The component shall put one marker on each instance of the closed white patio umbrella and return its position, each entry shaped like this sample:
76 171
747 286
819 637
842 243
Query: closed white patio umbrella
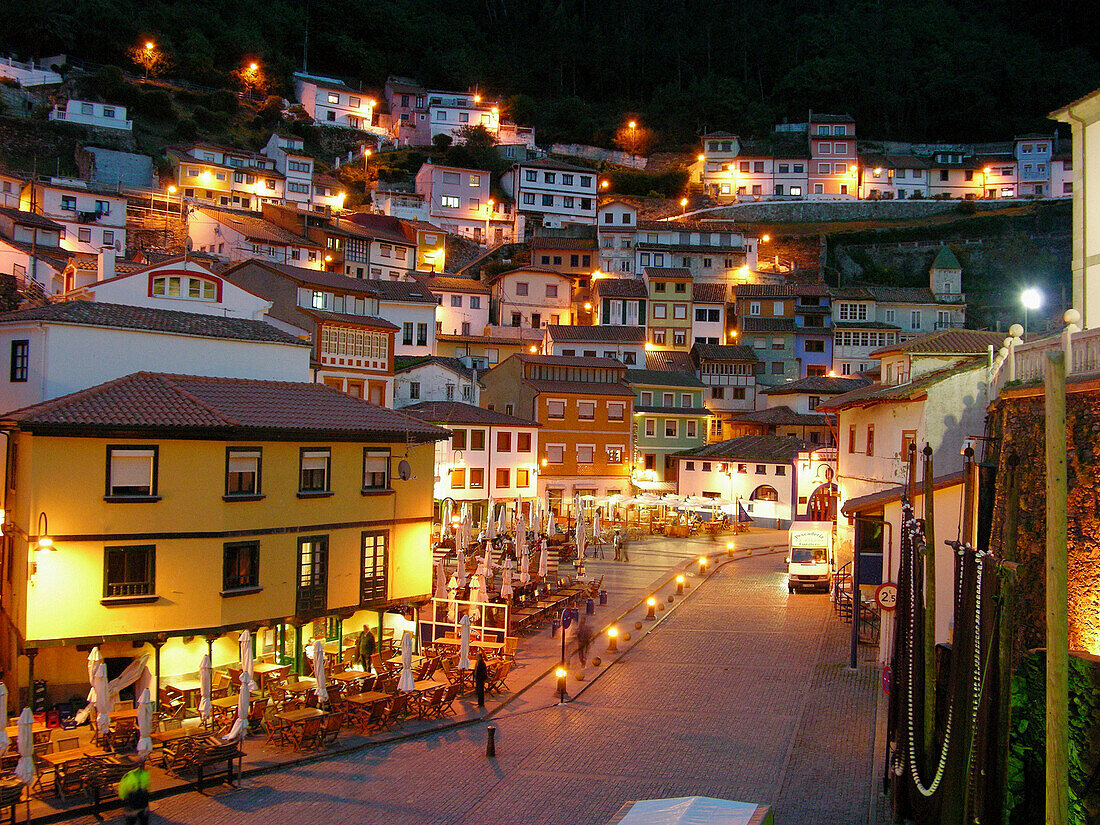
506 582
4 740
103 703
206 676
25 737
580 534
247 664
525 564
145 725
464 644
490 524
543 561
461 570
578 509
549 522
240 723
405 683
318 671
596 524
440 580
445 519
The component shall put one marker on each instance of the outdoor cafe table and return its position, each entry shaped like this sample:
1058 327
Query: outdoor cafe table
300 685
58 760
228 704
263 671
396 660
37 727
190 688
349 676
296 717
367 698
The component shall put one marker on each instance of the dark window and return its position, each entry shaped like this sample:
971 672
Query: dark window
523 442
504 442
242 471
129 571
312 575
20 357
376 469
314 471
132 471
503 478
241 566
372 587
477 439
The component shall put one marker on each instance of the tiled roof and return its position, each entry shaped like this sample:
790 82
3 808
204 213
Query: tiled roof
863 325
678 273
819 385
29 218
783 416
455 412
709 293
766 291
817 118
383 227
945 259
723 352
404 291
256 228
550 163
404 363
596 334
582 387
410 291
947 342
663 378
689 248
372 321
885 294
563 243
774 448
669 361
445 284
874 501
885 393
526 338
568 361
176 405
768 325
121 316
621 288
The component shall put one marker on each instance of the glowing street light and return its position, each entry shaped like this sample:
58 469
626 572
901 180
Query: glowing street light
765 238
683 204
633 144
1032 299
150 45
253 66
604 184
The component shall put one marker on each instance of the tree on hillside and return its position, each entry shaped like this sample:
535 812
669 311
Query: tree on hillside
150 57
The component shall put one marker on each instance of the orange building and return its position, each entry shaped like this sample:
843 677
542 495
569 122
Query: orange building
584 408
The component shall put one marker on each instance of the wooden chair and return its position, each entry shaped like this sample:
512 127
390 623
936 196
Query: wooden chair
275 727
511 644
125 705
219 685
170 703
379 666
447 700
330 729
399 709
256 714
123 735
306 734
497 682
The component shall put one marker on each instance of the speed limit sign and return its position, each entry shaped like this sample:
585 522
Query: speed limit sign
886 596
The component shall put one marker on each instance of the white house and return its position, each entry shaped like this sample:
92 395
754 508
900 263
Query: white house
288 152
532 297
225 176
331 102
64 347
620 301
551 192
434 378
720 149
411 307
729 371
27 74
30 250
235 235
451 112
714 251
616 234
93 216
459 202
180 284
756 473
408 206
709 303
625 344
96 115
489 455
463 305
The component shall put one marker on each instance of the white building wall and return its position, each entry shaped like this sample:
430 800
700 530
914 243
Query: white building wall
458 308
136 290
741 485
536 301
436 383
401 313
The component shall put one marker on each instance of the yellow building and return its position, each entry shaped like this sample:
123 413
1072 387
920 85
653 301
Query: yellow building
180 510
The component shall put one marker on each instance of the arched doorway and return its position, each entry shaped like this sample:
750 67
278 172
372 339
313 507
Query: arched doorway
822 503
764 493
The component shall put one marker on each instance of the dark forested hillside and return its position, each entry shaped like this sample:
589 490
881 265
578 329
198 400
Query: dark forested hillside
906 69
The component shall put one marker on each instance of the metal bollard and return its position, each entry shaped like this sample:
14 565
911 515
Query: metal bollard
680 585
651 606
590 608
603 598
491 742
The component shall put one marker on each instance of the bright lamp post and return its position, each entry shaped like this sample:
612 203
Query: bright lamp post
1032 299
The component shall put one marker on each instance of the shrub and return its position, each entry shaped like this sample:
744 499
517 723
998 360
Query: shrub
186 129
223 101
155 104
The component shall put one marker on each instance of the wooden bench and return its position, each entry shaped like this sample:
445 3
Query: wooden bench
208 755
100 773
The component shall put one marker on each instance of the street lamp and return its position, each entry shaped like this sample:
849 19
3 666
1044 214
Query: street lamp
633 145
854 170
683 205
765 238
1032 299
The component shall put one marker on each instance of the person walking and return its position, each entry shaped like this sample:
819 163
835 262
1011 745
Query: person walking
617 541
481 677
367 646
584 641
133 790
624 550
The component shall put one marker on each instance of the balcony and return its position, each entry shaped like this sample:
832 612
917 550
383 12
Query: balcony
1024 363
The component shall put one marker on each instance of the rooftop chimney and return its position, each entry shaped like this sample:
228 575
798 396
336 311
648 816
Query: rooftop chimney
105 263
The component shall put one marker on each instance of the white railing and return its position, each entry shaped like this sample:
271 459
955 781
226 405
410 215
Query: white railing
1019 362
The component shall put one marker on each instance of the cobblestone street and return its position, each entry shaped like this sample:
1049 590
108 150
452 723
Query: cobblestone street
740 692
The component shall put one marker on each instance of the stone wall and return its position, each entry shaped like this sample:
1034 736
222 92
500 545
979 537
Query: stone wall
1018 429
850 210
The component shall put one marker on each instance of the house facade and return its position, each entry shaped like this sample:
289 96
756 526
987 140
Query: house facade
616 235
459 201
729 373
625 344
462 305
434 378
225 176
331 102
93 114
669 417
552 193
533 297
669 301
121 470
94 217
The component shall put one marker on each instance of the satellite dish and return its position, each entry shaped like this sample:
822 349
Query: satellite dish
404 470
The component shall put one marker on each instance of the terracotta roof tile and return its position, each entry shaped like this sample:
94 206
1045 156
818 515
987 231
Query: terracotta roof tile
774 448
947 342
595 334
455 412
669 361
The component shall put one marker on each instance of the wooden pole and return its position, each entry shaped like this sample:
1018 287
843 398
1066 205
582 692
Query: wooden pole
929 607
1057 710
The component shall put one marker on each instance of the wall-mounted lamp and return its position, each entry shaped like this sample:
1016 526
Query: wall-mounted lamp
44 540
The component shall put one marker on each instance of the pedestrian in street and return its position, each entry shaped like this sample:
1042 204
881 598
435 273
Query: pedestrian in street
617 541
367 646
584 641
481 677
133 790
624 550
308 651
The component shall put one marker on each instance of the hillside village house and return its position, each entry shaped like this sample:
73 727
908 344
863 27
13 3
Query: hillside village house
669 417
620 301
624 344
418 114
353 348
729 373
585 410
304 187
489 455
934 390
670 318
459 201
494 347
573 255
225 176
533 296
30 250
463 305
434 378
93 114
376 246
709 309
331 102
60 348
552 193
868 317
281 473
791 409
93 216
616 234
765 319
236 235
712 251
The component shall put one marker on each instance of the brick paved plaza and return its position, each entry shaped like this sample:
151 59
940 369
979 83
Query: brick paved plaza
740 692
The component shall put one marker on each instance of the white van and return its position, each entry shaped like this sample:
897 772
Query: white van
809 555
